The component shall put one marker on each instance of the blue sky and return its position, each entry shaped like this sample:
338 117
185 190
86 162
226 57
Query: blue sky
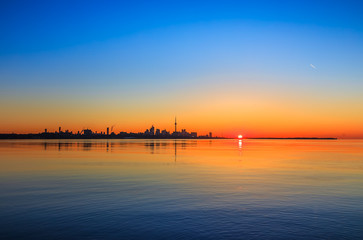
132 53
34 26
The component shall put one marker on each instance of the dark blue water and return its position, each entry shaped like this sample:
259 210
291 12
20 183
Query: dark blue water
166 189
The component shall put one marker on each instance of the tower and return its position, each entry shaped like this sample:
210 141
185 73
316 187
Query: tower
175 124
108 131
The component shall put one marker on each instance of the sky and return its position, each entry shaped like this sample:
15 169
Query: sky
256 68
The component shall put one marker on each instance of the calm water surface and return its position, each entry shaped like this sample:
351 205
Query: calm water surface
181 189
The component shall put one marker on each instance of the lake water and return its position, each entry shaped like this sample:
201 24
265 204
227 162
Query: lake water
181 189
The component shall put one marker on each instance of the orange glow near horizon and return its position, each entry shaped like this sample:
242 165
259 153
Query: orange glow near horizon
256 116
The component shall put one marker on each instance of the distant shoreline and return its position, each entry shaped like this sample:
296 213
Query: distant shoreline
297 138
40 136
56 136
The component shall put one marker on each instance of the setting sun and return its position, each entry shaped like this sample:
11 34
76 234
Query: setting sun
240 136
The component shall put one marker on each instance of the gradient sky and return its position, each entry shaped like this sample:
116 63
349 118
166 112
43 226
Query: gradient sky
257 68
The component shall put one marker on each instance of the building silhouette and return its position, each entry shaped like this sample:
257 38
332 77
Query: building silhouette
150 133
175 130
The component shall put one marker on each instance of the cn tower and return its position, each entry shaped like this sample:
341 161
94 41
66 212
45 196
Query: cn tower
175 124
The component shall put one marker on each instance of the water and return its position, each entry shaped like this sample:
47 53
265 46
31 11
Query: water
181 189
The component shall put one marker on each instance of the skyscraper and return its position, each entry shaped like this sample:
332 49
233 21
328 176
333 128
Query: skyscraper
175 124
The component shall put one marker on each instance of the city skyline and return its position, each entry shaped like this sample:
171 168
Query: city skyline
151 132
115 129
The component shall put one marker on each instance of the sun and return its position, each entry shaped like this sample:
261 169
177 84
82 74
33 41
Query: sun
240 136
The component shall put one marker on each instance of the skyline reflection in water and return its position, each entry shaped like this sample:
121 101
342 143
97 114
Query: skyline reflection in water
181 189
